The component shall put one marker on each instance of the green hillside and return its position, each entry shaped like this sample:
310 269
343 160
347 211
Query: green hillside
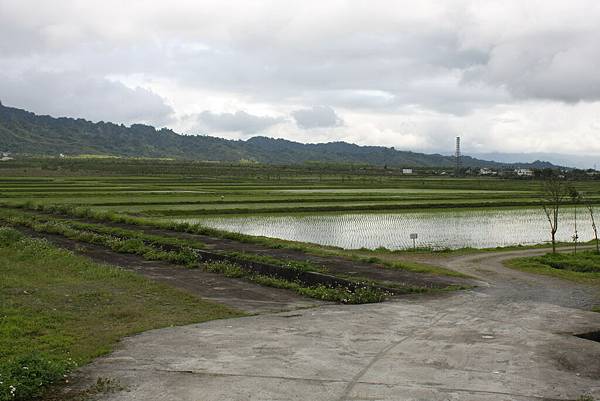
23 132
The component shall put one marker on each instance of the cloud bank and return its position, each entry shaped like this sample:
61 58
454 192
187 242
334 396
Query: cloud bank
508 76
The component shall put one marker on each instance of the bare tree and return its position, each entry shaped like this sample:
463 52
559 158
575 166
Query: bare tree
576 197
590 209
554 193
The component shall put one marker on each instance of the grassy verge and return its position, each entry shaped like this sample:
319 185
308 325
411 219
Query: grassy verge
360 295
582 268
441 252
59 311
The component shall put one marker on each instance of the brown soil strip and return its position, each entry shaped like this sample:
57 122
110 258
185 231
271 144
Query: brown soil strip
239 294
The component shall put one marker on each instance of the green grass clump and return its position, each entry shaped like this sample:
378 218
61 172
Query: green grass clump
582 267
27 376
581 262
297 265
359 295
227 269
59 311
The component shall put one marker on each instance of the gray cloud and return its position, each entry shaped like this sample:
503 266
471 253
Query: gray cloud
76 95
317 117
240 121
447 67
547 65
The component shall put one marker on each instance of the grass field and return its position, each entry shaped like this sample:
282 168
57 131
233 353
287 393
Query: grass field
59 311
583 267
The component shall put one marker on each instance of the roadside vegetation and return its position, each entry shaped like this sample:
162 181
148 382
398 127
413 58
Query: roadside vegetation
59 311
362 293
583 267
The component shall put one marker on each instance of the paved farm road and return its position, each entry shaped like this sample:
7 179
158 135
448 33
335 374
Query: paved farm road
511 339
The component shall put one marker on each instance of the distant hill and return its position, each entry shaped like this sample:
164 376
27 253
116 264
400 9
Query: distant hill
560 159
23 132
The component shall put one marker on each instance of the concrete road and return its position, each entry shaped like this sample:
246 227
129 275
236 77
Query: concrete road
511 339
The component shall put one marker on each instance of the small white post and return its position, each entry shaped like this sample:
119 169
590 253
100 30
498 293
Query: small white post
414 237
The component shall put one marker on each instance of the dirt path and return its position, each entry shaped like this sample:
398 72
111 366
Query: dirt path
510 339
510 285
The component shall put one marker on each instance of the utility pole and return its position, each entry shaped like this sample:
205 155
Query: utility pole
457 156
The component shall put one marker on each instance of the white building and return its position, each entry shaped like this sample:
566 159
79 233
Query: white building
486 171
407 171
524 172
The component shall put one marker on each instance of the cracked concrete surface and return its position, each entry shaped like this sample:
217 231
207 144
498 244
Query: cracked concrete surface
511 339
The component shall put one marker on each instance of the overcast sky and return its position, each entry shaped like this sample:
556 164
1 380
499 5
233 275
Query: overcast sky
507 76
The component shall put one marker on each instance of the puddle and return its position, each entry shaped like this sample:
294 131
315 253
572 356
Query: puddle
592 336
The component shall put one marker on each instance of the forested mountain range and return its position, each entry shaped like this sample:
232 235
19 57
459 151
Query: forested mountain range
23 132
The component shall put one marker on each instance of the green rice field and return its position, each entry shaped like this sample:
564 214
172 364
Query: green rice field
350 207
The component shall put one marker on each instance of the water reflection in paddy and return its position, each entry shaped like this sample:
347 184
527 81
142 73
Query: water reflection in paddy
480 228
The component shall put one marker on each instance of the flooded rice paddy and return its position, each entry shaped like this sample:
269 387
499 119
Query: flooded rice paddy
480 228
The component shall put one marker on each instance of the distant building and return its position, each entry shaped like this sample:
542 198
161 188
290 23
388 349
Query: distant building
524 172
407 171
5 156
487 171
